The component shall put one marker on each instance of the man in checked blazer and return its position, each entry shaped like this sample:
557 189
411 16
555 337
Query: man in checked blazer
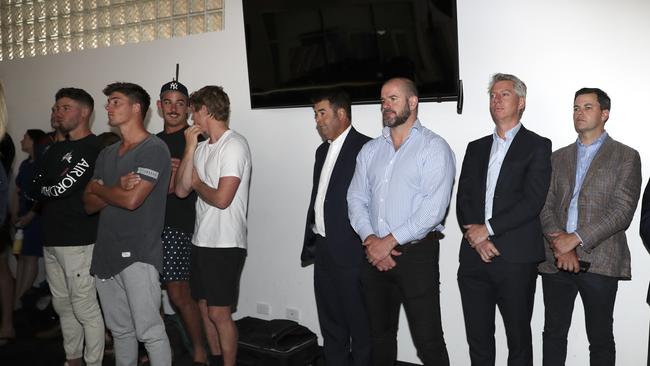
330 241
501 191
594 192
645 235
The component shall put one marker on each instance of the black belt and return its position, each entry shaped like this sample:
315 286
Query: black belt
431 238
433 235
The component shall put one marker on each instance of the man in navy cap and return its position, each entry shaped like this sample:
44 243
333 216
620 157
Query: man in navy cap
179 218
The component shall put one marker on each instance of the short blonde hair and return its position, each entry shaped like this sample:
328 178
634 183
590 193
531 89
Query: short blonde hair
519 86
215 99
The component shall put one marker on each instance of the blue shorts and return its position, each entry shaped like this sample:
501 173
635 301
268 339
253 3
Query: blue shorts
177 247
33 238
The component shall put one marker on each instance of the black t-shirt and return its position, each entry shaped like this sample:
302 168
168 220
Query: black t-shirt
7 153
180 212
60 179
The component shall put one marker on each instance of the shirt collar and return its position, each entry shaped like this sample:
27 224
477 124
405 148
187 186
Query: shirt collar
598 142
386 131
339 140
510 134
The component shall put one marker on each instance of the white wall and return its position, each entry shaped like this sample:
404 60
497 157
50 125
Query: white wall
555 46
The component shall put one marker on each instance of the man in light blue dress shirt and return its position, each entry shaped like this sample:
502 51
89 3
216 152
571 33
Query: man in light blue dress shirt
397 202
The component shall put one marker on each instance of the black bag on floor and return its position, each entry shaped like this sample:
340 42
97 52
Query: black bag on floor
277 342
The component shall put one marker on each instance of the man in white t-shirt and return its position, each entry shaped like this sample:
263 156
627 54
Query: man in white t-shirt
218 170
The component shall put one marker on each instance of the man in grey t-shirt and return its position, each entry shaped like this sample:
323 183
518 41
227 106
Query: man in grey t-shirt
130 189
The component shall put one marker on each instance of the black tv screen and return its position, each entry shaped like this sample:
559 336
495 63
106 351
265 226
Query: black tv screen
296 47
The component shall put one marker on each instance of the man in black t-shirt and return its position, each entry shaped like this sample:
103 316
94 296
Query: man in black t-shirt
61 176
179 218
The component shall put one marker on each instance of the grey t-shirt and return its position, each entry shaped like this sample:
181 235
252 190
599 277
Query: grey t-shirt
125 236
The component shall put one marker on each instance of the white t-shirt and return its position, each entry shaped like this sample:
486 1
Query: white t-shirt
230 156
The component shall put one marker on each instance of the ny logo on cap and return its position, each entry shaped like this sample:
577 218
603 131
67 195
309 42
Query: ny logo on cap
173 86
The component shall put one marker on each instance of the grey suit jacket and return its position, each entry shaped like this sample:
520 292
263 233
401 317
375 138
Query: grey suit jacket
608 198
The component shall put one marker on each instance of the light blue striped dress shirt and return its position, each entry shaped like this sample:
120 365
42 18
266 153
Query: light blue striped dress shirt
586 154
405 192
498 153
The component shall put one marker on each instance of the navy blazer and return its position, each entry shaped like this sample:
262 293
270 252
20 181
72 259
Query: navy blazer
343 243
519 196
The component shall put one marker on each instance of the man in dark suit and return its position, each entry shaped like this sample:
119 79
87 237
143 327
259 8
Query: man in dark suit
330 242
501 191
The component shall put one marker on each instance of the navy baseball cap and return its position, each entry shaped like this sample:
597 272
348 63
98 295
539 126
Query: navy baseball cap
174 86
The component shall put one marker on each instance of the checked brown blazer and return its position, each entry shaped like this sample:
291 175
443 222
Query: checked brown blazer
608 198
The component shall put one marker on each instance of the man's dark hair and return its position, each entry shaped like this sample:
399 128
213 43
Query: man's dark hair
134 92
337 97
214 99
78 95
603 98
108 138
36 135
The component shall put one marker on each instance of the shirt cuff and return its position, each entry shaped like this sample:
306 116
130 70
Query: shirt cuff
402 235
579 237
365 232
489 227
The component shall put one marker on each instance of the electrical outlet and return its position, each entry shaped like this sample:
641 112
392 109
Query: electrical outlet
263 308
293 314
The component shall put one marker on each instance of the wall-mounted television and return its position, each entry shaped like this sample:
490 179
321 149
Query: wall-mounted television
295 47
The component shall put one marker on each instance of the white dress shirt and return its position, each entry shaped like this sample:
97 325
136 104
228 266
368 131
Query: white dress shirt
323 183
498 153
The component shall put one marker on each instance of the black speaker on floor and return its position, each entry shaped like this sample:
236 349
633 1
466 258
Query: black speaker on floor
277 342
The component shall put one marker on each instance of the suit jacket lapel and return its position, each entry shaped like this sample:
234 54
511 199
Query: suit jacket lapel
321 154
320 161
604 152
484 161
512 155
571 167
342 158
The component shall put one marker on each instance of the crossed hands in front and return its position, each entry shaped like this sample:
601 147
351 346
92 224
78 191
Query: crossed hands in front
564 246
380 251
478 237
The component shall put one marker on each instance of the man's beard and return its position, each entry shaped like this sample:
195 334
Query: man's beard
399 119
65 129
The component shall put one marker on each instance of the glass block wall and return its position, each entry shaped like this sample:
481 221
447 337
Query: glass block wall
31 28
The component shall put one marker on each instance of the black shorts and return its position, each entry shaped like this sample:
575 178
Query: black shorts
176 255
215 274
